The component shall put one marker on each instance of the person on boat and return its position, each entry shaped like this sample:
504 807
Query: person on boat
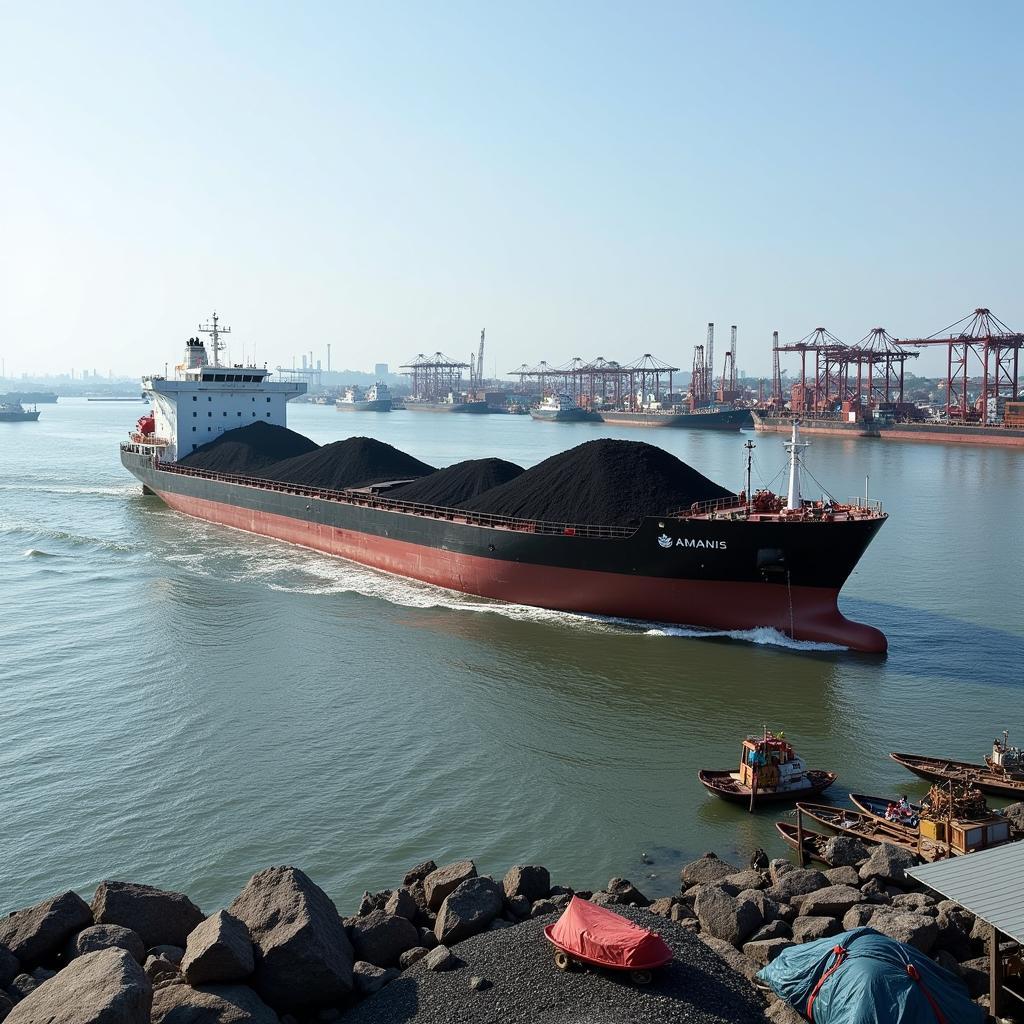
903 808
890 812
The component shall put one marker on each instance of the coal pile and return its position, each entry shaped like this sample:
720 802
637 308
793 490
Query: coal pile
603 482
248 451
354 462
458 483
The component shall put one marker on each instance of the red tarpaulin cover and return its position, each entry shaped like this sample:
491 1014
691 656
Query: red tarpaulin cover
599 934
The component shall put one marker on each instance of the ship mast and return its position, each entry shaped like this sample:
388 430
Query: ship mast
794 446
212 329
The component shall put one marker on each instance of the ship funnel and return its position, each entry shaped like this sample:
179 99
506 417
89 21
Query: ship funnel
795 446
195 354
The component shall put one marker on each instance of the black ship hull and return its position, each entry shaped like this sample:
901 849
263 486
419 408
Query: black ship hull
717 574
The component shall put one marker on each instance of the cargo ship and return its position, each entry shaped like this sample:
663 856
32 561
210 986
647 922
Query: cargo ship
452 403
373 399
701 419
847 425
562 409
736 563
14 412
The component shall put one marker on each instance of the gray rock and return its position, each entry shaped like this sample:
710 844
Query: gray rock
440 958
381 938
302 955
173 953
777 867
402 904
796 882
724 917
808 929
438 884
663 906
41 974
919 902
626 892
859 916
428 938
748 879
780 1012
6 1005
888 863
37 932
681 912
917 930
740 963
832 901
468 909
106 936
955 925
563 890
21 986
975 975
212 1004
1015 812
370 978
768 908
518 906
709 868
875 892
845 851
218 951
419 873
498 923
410 956
159 968
10 967
773 930
105 987
763 952
843 876
372 901
478 984
530 880
158 916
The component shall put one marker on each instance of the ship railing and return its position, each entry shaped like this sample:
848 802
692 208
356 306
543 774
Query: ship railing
366 499
863 504
702 508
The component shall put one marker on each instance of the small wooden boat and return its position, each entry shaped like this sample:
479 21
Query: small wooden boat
882 808
814 842
997 777
770 770
857 823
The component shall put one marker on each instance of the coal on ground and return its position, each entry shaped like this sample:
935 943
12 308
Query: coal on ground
606 482
697 987
458 483
249 450
354 462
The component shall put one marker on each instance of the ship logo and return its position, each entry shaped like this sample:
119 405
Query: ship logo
665 540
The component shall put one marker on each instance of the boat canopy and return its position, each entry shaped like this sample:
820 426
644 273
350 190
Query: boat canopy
864 977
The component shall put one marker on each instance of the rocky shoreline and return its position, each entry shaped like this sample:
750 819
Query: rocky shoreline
451 944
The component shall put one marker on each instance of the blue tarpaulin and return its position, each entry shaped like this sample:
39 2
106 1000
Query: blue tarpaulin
864 977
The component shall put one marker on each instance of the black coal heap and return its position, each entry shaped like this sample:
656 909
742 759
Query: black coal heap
458 483
354 462
249 450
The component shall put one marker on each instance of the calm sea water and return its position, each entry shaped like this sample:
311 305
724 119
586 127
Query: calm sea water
182 704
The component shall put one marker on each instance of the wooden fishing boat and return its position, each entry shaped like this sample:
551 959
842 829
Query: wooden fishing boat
998 779
814 842
864 826
770 770
878 807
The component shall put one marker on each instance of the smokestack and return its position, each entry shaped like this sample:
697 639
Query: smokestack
328 357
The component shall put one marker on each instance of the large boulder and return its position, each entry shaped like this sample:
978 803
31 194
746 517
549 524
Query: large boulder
845 851
381 938
37 932
158 916
1015 812
6 1005
767 907
370 978
832 901
748 879
740 963
418 873
779 866
402 903
106 936
725 917
438 884
796 883
917 930
10 967
529 880
709 868
861 915
764 951
888 863
626 892
212 1004
219 950
843 876
469 909
303 957
808 929
105 987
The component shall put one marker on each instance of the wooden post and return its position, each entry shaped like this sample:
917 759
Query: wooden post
753 790
800 859
995 985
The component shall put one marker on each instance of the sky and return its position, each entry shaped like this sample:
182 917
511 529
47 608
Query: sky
579 178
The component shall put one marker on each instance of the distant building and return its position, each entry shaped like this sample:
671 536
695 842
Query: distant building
380 370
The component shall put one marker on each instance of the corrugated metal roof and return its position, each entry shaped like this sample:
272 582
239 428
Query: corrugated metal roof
990 884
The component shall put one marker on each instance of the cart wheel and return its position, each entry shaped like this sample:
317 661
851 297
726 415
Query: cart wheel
640 977
562 961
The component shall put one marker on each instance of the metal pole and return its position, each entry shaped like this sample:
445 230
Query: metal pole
994 972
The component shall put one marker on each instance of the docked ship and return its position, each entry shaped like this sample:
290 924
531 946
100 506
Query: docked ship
451 403
562 409
736 563
700 419
373 399
15 412
847 424
29 398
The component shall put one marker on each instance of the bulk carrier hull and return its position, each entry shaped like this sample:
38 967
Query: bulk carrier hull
814 425
942 433
715 573
720 419
472 408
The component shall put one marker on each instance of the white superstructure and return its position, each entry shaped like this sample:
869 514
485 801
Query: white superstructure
203 399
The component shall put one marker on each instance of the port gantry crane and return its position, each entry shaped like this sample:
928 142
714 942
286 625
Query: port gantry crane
434 377
979 337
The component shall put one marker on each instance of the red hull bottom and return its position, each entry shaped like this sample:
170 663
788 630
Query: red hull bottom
804 613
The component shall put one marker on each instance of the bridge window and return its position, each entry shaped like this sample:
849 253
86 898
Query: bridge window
268 399
218 376
209 414
194 398
239 412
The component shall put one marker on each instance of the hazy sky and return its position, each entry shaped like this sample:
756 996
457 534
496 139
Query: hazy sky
580 178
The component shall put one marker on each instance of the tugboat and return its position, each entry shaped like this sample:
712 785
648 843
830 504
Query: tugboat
771 770
562 409
373 399
15 412
1002 774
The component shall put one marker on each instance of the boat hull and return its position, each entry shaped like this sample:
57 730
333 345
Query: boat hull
709 578
565 416
19 417
380 405
942 433
718 783
723 419
472 408
978 775
813 425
